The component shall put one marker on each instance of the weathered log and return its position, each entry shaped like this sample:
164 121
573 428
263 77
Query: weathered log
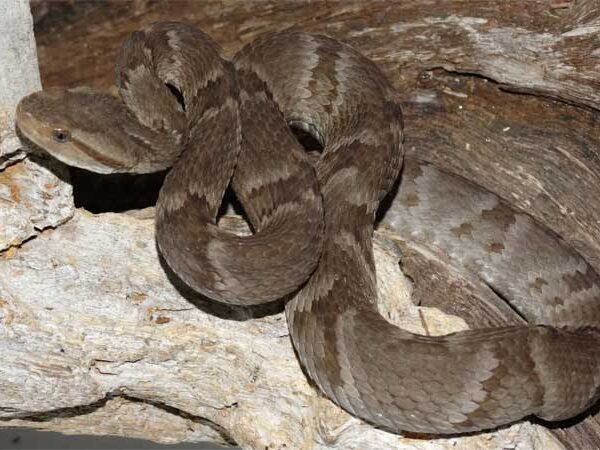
97 337
31 198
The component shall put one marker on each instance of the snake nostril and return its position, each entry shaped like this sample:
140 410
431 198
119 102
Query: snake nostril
177 93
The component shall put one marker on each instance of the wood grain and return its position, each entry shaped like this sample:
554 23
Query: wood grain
547 50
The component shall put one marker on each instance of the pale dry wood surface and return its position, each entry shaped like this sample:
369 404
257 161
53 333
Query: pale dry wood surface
19 75
97 339
30 199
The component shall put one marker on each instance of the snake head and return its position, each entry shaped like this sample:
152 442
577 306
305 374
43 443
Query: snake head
74 127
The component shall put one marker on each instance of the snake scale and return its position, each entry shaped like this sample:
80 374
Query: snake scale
312 223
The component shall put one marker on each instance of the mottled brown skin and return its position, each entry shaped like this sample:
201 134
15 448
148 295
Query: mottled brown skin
315 223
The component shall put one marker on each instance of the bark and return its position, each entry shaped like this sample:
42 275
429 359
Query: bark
30 197
98 337
19 75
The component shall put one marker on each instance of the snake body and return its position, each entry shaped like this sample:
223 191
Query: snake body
313 224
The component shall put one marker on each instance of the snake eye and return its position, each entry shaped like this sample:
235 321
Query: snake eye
61 135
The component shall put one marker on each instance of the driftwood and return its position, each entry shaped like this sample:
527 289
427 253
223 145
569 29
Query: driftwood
96 335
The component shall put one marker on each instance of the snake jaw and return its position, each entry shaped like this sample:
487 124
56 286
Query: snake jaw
67 125
61 142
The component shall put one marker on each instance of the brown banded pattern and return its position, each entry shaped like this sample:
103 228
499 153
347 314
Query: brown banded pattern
313 225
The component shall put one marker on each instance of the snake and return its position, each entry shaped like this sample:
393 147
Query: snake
216 121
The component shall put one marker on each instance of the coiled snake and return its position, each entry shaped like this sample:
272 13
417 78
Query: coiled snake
313 223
